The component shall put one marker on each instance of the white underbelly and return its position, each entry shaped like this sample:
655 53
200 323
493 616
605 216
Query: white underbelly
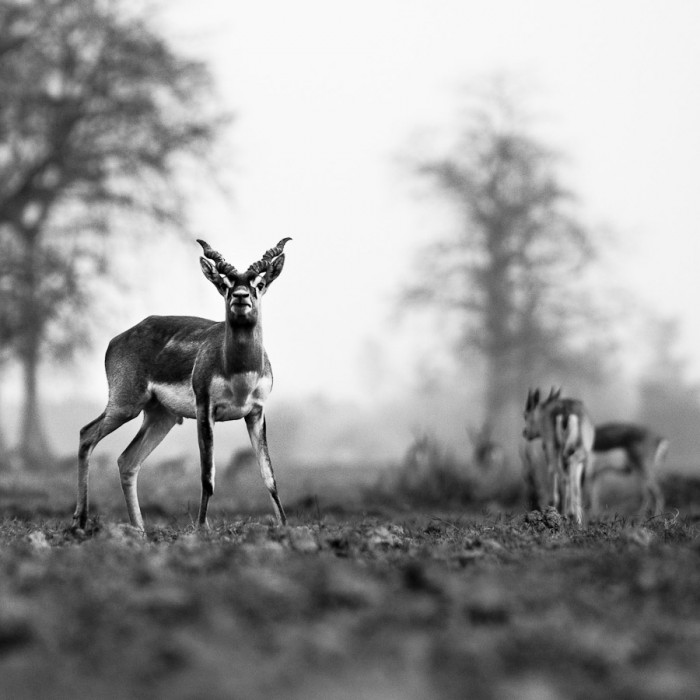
612 459
226 411
230 399
177 398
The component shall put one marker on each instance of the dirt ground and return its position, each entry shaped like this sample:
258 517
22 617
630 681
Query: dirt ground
346 604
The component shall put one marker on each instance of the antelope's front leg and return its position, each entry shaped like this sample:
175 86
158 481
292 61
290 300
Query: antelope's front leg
255 422
205 434
576 466
553 475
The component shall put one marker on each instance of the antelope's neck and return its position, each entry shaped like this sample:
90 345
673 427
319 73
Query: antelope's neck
243 349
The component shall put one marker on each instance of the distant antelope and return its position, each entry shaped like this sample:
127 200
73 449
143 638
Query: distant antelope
175 367
640 451
567 435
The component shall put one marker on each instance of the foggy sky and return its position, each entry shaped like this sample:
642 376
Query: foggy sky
328 97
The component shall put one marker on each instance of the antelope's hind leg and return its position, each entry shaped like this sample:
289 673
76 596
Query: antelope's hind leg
576 471
653 502
157 423
255 422
106 423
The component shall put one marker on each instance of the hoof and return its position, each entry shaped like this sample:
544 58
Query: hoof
78 523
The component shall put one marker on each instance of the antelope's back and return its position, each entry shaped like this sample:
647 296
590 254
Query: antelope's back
611 435
161 348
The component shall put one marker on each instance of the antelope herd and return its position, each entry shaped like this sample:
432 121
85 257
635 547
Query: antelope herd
564 456
175 367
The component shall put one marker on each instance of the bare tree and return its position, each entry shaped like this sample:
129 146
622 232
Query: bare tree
511 270
97 113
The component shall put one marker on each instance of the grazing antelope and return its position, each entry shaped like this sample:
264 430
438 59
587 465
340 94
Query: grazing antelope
633 449
567 435
175 367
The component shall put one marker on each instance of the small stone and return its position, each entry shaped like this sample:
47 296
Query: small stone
303 540
38 540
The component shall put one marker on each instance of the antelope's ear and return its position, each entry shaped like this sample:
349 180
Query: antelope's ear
533 398
554 394
211 273
274 270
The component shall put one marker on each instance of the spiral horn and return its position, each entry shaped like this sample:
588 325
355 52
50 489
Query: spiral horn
277 250
269 256
222 267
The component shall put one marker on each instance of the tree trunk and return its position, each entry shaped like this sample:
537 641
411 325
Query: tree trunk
499 389
34 447
498 338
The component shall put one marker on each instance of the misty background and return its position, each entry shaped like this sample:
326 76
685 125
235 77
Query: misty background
482 197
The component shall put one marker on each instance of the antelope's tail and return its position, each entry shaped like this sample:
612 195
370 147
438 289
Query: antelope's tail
660 454
568 431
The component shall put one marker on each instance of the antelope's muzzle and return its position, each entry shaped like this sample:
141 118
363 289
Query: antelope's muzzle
241 302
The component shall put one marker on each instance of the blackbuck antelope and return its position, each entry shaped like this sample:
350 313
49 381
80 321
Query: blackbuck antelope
175 367
567 435
632 449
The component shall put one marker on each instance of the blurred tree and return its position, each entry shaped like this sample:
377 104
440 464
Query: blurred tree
97 113
512 271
